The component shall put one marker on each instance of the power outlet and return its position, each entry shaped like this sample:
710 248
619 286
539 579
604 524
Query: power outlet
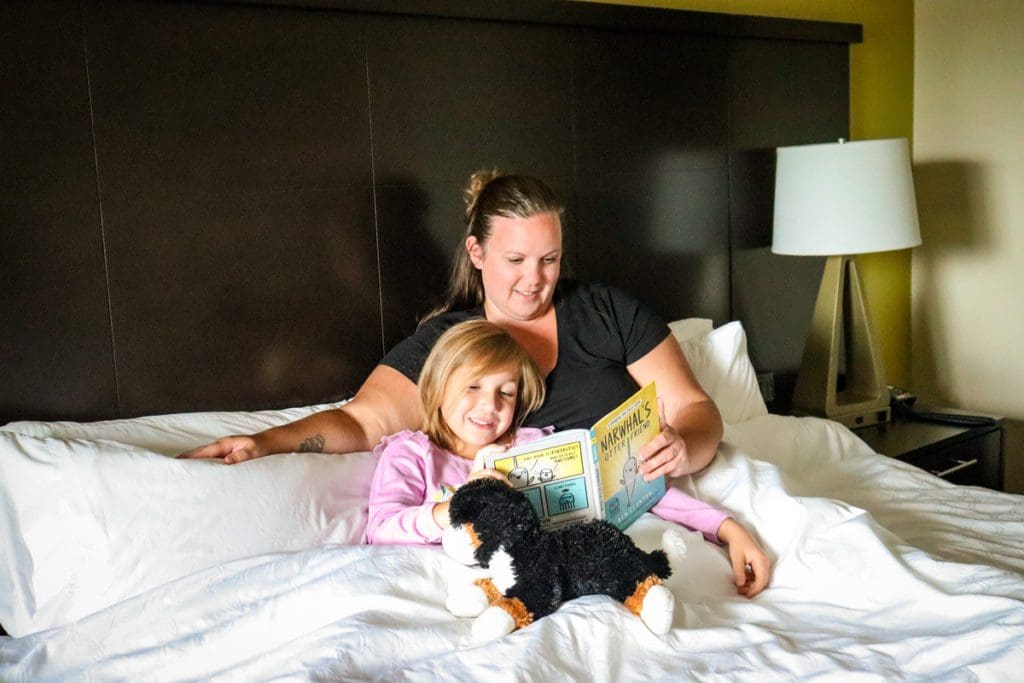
766 383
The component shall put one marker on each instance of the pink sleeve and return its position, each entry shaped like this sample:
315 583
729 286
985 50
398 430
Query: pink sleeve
681 508
525 435
398 510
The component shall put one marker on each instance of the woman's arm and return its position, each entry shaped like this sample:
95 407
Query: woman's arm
386 403
691 424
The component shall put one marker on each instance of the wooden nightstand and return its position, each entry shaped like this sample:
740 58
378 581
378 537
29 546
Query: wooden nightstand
971 456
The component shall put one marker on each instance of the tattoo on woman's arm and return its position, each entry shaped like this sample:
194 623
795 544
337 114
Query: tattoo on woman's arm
314 444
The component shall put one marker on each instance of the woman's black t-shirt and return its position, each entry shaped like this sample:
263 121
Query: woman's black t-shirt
601 330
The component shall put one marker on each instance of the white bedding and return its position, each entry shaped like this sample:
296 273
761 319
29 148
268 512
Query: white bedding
882 572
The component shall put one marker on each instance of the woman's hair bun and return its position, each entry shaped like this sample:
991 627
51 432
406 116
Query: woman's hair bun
477 182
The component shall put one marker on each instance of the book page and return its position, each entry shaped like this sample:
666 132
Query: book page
554 474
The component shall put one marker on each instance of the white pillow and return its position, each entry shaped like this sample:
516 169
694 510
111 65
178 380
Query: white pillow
720 362
88 523
688 328
168 434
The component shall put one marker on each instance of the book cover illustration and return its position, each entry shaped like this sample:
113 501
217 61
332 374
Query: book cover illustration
617 440
582 474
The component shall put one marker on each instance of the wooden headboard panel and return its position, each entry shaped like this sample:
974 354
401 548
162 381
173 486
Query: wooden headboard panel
243 205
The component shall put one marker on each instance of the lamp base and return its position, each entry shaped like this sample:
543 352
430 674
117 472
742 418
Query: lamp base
841 326
854 419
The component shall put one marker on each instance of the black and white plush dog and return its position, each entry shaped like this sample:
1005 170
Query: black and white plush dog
533 571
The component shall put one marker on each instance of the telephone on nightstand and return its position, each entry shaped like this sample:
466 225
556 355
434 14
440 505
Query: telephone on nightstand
900 398
902 403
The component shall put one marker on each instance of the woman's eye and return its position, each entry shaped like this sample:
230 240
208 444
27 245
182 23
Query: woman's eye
515 261
508 394
551 259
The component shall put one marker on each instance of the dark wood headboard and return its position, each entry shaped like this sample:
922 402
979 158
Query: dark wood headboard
242 205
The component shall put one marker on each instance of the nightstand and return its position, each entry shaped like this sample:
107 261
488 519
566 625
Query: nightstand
971 456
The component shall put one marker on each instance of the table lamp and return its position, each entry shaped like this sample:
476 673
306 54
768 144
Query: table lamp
836 200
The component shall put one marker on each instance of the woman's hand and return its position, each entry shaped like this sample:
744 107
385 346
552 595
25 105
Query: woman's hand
750 564
694 427
386 403
666 454
233 449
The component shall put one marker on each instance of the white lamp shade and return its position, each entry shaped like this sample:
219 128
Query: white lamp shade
844 198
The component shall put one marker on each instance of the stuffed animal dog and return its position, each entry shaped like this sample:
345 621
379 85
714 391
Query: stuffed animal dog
533 571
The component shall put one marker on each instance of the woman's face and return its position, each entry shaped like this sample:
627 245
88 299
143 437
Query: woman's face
479 409
519 265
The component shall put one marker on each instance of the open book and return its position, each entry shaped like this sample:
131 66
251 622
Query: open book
580 474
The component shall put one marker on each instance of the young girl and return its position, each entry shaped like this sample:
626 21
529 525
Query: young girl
477 387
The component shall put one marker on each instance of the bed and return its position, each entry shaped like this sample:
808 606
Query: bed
218 215
125 564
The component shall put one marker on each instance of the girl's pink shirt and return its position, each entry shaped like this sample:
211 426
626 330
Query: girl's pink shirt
407 484
412 474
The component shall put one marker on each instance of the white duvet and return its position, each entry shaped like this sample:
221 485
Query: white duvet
881 572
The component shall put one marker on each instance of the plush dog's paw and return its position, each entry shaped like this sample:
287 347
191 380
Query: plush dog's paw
674 543
658 609
458 546
493 623
465 600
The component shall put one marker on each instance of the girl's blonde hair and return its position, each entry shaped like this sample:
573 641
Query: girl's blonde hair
481 347
490 194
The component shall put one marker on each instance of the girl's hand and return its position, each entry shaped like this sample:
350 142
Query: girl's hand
487 473
481 472
750 564
440 513
666 454
478 471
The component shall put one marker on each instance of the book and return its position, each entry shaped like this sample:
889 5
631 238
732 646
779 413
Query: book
580 474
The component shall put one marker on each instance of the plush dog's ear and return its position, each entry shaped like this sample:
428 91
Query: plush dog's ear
471 500
499 514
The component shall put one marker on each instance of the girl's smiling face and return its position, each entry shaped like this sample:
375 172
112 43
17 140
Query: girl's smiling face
478 408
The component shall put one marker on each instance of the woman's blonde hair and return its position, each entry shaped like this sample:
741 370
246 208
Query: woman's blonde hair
480 347
490 194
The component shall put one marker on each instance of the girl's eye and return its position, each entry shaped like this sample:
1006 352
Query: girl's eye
551 259
508 394
515 261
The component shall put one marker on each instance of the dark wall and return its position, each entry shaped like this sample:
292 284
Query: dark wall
780 93
232 206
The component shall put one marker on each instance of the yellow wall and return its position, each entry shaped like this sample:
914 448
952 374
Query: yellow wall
967 329
881 106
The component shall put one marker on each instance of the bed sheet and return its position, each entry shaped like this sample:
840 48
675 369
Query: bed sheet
882 572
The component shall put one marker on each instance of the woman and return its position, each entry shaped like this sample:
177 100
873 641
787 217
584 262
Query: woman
594 344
